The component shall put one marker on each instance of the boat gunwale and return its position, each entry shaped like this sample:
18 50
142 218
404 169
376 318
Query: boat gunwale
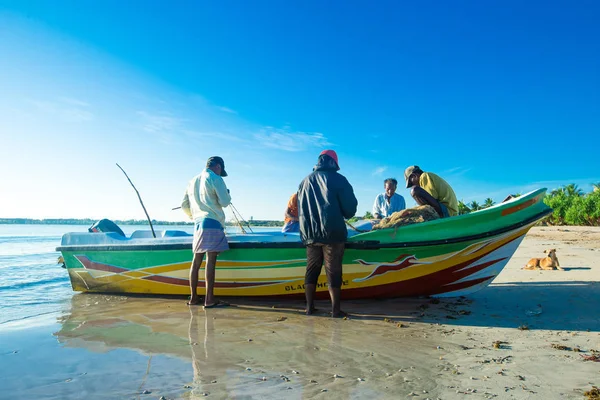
360 245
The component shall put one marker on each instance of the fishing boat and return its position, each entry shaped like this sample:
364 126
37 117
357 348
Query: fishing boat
445 257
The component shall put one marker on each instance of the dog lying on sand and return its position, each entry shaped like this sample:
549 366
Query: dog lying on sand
549 262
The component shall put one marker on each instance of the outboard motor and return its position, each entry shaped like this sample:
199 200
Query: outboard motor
106 225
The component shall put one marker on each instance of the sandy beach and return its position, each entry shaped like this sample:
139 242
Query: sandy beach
526 336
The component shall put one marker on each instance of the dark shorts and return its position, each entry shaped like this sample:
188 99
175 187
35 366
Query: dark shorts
330 254
444 211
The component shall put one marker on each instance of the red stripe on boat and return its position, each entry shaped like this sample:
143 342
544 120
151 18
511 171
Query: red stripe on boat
518 207
385 268
89 264
96 266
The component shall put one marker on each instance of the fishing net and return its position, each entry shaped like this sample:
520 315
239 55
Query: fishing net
408 216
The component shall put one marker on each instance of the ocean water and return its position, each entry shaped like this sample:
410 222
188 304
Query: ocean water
32 283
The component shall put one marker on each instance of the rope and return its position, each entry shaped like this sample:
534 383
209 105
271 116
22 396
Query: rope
238 222
355 228
235 210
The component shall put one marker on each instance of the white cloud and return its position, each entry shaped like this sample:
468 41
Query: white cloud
65 110
379 171
456 171
73 102
227 110
284 139
193 134
155 123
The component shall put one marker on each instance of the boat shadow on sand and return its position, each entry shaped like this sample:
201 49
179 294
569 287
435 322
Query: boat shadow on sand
558 305
565 306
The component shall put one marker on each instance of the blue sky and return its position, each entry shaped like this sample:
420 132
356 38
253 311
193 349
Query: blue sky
495 97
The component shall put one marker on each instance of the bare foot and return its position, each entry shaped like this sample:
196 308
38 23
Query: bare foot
310 311
194 301
218 304
339 314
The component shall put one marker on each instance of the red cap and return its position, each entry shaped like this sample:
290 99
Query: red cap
331 154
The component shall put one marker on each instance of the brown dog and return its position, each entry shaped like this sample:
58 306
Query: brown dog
549 262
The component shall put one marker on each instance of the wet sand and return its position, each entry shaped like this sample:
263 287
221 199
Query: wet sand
543 323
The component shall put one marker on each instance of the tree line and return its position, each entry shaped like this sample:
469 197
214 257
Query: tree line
574 207
571 205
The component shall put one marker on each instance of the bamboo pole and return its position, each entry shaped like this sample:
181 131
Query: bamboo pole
140 198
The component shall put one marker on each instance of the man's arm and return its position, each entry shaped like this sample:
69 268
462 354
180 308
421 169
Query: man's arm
376 210
185 205
347 199
222 192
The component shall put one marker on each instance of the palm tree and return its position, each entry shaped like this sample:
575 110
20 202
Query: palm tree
474 206
596 186
368 215
488 203
462 208
558 192
573 190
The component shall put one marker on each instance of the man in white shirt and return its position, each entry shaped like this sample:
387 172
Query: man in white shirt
389 201
204 199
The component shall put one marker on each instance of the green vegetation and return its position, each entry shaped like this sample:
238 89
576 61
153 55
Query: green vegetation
570 204
367 215
488 203
474 205
574 207
258 222
462 208
89 222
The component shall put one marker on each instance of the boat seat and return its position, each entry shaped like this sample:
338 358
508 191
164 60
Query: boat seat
141 235
174 233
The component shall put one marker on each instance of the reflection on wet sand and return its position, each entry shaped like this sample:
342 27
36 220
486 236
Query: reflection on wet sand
256 351
209 367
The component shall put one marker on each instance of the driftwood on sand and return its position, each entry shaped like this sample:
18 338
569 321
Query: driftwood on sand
408 216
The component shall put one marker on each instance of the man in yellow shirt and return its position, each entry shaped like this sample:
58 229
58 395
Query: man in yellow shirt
430 189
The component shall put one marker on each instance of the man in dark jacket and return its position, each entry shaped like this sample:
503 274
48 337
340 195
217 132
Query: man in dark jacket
325 199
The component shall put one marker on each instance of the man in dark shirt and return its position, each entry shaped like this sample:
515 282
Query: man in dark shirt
325 200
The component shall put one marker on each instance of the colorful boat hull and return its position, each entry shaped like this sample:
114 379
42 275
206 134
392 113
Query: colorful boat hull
448 257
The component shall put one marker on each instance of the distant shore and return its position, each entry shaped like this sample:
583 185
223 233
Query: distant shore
89 221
